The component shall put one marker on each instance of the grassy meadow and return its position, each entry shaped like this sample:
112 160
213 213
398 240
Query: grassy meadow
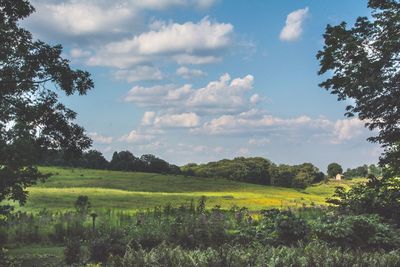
132 191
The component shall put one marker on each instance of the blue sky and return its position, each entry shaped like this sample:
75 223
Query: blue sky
202 80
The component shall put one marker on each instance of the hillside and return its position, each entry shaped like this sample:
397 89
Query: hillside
134 191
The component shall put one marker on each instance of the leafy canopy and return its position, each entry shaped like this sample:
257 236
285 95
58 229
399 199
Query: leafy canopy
364 66
32 120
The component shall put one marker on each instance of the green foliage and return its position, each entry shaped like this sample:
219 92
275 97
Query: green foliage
377 196
334 169
363 171
107 244
253 170
364 64
72 252
258 171
357 231
290 228
313 254
31 117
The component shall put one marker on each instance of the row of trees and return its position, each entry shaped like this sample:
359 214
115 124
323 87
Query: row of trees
363 171
259 171
121 161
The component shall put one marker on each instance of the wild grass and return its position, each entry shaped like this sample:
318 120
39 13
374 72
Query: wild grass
131 191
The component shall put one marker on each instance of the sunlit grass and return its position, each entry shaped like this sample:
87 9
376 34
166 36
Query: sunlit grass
138 191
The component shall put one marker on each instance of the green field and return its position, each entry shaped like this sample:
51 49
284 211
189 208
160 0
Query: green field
131 191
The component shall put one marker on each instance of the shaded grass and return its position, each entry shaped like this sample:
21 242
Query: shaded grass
138 191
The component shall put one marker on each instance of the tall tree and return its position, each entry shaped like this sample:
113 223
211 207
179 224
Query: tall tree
32 119
365 64
334 169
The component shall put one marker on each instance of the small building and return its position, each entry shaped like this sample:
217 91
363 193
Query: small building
338 177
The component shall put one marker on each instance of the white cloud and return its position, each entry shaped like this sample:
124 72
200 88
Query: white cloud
230 124
187 73
183 120
347 129
254 99
148 117
100 138
225 94
294 25
83 18
88 18
158 96
222 96
136 137
192 43
139 73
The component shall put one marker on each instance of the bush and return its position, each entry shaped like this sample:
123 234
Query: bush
282 227
313 254
106 245
72 252
377 196
289 228
357 231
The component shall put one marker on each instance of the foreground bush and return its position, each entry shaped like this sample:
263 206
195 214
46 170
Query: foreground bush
367 232
312 254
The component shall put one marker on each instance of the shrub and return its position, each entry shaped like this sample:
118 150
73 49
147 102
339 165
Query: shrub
72 252
357 231
289 228
106 245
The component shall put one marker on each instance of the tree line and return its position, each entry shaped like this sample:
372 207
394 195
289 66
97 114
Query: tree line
363 171
121 161
258 170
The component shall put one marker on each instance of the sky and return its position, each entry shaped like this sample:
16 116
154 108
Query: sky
203 80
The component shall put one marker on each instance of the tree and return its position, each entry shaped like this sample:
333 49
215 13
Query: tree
93 159
365 64
377 196
334 169
31 117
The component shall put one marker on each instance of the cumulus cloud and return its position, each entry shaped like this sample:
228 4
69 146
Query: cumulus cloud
254 99
258 123
225 95
162 96
100 138
139 73
148 118
294 25
188 73
183 120
193 43
81 18
344 130
98 18
136 137
243 123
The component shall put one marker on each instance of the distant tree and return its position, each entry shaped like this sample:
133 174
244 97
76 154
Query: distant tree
363 63
319 177
334 169
125 161
154 164
31 117
93 159
302 180
283 176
